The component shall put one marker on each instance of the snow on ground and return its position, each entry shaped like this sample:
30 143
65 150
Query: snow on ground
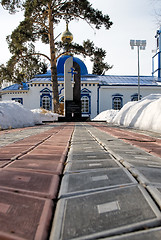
144 114
45 115
106 115
14 115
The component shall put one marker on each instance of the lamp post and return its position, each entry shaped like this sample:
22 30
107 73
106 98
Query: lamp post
140 44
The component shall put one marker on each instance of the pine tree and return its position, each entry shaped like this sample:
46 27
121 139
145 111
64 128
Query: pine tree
40 19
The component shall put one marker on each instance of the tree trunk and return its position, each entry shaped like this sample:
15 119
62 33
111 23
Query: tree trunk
53 64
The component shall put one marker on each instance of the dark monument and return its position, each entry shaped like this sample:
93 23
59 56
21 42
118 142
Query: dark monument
72 85
73 107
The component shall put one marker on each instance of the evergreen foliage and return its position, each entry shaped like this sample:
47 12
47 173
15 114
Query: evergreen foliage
40 19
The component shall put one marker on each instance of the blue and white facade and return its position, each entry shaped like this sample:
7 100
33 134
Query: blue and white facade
98 93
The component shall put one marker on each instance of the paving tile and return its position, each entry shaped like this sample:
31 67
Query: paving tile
75 184
104 213
151 234
50 147
51 157
11 150
4 163
6 156
24 217
77 166
47 152
147 157
155 191
147 175
37 166
82 148
31 183
140 163
88 156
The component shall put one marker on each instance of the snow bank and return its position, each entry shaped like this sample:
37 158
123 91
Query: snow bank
107 115
45 115
14 115
144 114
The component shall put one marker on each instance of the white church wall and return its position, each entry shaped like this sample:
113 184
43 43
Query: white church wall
34 95
17 95
106 94
93 90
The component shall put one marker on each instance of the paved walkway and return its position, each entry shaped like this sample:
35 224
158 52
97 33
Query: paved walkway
80 181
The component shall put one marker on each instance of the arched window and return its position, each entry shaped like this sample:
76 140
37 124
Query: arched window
134 97
19 100
117 101
46 99
85 104
46 102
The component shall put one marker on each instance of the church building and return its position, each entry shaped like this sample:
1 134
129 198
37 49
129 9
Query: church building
98 93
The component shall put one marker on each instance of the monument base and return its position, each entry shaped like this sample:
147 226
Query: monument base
73 112
65 119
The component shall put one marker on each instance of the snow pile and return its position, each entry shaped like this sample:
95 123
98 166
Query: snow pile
107 115
14 115
144 114
46 116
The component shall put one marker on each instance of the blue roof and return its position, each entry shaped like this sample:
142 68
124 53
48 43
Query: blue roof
16 86
127 80
108 80
61 61
60 66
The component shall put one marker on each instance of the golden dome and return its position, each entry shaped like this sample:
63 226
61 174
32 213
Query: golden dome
67 36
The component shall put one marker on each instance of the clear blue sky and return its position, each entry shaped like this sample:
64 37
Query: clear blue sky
131 20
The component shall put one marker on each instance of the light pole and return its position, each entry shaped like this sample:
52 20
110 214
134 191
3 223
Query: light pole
140 44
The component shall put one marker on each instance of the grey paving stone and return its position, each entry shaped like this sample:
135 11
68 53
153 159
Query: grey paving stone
75 184
147 175
11 137
151 234
155 191
104 213
78 166
140 163
136 155
89 156
87 150
81 148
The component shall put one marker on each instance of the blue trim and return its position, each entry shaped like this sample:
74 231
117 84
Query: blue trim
62 98
159 64
117 95
20 100
46 90
98 98
85 91
61 90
